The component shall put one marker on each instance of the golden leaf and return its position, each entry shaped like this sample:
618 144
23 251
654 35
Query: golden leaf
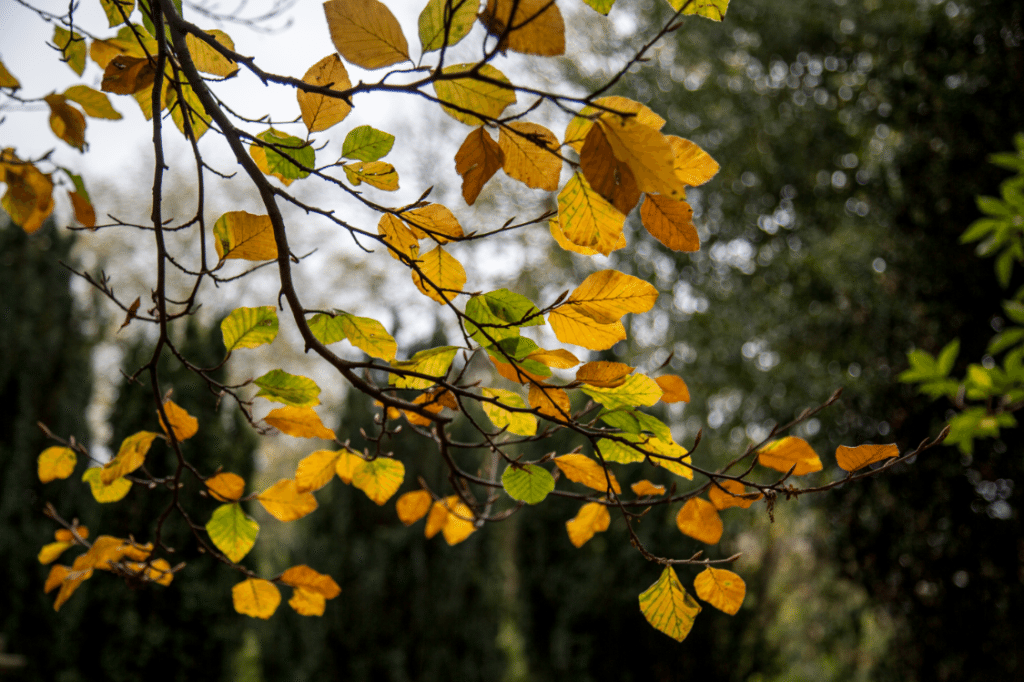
571 326
699 519
379 174
646 151
604 373
439 270
458 524
366 33
550 401
184 425
531 155
536 27
579 127
852 459
316 470
476 98
558 358
436 518
7 80
303 576
413 506
379 478
670 221
347 465
206 58
56 462
306 602
93 102
691 164
593 517
66 122
65 535
284 501
301 422
721 588
675 389
785 453
29 196
607 295
709 9
582 469
51 552
238 234
255 597
439 18
102 492
477 160
587 219
320 112
398 237
645 488
434 221
226 486
734 495
668 607
70 579
130 456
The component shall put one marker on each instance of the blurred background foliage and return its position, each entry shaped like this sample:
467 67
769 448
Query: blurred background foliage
853 138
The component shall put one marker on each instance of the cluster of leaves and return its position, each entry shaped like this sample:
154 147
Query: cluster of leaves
989 394
619 159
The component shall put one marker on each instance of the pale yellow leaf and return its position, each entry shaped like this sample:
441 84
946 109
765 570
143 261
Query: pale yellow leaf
519 423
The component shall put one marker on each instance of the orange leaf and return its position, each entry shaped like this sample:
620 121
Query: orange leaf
305 577
582 469
550 401
284 501
306 602
699 519
785 453
477 160
413 506
536 27
604 374
674 389
255 597
401 240
592 518
126 75
851 459
301 422
721 588
66 122
184 425
645 488
610 177
558 358
734 495
56 462
670 221
64 535
226 486
531 155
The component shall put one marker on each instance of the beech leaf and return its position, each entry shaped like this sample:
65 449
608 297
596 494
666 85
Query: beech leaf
366 33
668 607
529 483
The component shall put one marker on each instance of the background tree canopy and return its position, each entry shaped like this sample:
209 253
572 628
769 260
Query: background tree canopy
852 138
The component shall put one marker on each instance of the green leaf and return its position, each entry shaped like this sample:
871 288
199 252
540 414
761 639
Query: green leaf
638 390
500 313
434 18
366 143
114 16
433 362
366 334
249 327
947 356
978 229
282 387
281 157
602 6
993 206
72 47
519 423
614 451
327 329
624 420
530 483
1005 339
232 531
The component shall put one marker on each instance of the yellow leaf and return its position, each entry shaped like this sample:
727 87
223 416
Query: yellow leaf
638 390
320 112
56 576
607 295
476 98
709 9
645 488
7 80
316 470
107 550
477 160
699 519
157 571
531 154
579 127
593 517
571 326
366 33
398 237
238 234
582 469
56 462
556 232
852 459
347 465
439 270
432 361
558 358
207 59
184 425
66 122
668 607
284 501
608 176
379 174
130 456
587 219
93 102
670 221
734 495
102 492
71 47
550 401
434 221
439 18
255 597
721 588
51 552
436 519
301 422
604 374
306 602
29 196
304 577
64 535
459 522
788 452
519 423
673 450
646 151
413 506
379 478
536 27
226 486
69 579
692 165
675 389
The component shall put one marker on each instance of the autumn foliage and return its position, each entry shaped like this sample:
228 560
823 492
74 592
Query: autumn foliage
613 157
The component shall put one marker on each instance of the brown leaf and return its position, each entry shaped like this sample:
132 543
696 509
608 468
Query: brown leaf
536 27
126 75
477 160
